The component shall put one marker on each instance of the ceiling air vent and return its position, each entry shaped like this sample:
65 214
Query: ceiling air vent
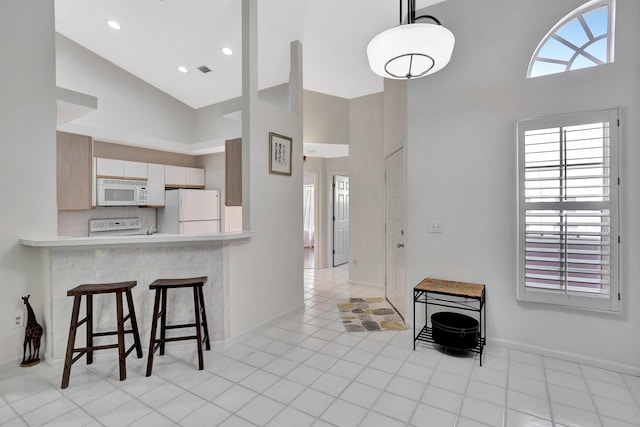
204 69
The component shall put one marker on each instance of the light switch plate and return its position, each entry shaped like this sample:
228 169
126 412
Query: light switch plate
435 227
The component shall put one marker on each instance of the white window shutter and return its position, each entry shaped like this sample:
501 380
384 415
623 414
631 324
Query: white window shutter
568 210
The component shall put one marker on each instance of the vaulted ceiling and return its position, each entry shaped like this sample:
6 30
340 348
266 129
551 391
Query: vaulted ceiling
157 36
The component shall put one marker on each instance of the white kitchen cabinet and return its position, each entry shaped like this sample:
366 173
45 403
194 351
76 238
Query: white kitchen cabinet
134 170
155 184
120 169
194 177
174 176
183 177
109 168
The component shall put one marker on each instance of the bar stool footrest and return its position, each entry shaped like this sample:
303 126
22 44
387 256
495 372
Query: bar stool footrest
186 325
94 348
185 338
110 333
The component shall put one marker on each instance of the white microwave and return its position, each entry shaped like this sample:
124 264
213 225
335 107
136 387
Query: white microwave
121 192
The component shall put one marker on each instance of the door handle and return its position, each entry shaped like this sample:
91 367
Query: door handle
400 245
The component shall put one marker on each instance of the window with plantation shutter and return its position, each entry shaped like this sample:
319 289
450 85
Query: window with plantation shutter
568 210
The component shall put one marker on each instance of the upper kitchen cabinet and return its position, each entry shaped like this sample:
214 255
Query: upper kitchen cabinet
155 185
183 177
194 177
74 171
135 170
120 169
174 176
109 168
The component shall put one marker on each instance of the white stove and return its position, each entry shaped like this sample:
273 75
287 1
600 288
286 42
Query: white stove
115 227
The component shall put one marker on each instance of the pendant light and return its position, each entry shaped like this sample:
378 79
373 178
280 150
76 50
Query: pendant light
411 50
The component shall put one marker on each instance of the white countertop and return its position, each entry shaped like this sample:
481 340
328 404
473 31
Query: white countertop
159 239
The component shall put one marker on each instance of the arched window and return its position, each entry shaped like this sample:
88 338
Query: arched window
582 39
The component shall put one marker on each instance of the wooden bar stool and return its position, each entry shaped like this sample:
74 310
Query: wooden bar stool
89 291
160 312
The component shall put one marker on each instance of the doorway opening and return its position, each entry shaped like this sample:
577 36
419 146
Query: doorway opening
309 219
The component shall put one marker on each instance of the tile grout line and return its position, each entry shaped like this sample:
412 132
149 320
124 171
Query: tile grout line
593 401
506 389
546 385
636 400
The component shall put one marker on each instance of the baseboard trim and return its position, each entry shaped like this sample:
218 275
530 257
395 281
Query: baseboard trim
555 354
234 340
370 285
570 357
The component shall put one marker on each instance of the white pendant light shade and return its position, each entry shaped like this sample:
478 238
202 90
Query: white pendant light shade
410 51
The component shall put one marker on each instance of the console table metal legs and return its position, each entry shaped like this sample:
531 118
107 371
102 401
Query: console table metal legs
451 294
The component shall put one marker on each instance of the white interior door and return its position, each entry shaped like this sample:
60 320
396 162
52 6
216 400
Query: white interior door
340 220
395 286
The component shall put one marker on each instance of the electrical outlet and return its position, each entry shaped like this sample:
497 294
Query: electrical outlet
435 227
18 319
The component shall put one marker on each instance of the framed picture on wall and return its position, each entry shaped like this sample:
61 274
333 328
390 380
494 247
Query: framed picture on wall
279 154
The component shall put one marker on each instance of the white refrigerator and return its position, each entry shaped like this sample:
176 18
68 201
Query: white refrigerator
189 211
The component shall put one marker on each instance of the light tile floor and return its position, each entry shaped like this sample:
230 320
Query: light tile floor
304 370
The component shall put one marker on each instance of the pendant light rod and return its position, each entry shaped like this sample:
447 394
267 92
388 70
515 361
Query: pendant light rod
411 13
433 18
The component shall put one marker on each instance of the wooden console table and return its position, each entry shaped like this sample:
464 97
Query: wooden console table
447 293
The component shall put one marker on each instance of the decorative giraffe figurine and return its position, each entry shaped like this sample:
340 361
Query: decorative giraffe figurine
32 336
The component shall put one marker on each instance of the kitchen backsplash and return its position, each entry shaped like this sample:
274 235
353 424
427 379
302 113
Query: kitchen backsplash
76 223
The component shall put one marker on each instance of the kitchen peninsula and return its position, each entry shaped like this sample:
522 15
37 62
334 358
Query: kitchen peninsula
70 261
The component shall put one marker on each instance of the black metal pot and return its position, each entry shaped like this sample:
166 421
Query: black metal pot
454 330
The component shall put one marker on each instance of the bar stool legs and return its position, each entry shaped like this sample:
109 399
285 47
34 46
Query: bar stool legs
88 291
73 328
160 313
204 319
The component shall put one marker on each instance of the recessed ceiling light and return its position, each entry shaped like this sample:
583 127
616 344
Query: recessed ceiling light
227 51
114 25
183 69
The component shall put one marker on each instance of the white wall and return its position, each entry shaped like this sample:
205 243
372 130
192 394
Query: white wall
212 125
326 118
394 125
28 161
129 109
366 221
265 273
461 165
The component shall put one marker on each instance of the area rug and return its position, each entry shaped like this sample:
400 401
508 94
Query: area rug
369 314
